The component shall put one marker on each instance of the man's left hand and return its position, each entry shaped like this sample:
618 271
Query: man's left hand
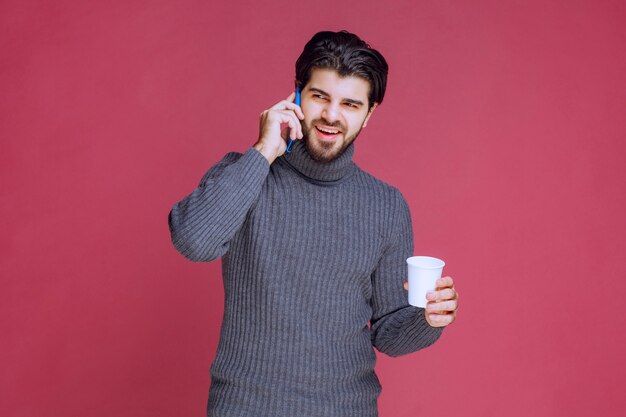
443 303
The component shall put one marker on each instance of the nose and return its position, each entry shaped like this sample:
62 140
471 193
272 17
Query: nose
331 112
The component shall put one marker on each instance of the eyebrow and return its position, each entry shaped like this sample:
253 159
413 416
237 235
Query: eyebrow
349 100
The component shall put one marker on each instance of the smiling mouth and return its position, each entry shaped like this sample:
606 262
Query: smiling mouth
325 133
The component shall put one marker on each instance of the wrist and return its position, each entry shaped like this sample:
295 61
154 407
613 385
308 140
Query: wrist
264 150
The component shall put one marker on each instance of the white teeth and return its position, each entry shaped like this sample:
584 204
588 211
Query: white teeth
332 132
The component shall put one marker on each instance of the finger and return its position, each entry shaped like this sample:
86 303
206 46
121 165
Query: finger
291 131
297 108
295 127
440 320
442 306
445 282
406 285
286 114
298 132
286 131
442 295
283 104
289 105
289 118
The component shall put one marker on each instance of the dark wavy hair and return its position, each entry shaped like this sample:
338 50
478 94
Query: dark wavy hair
347 54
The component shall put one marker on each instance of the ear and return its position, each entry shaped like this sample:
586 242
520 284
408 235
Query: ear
369 114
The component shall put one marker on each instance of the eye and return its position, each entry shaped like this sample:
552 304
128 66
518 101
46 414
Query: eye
352 105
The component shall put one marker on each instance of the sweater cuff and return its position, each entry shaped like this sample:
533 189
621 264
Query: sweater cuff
255 160
251 173
406 331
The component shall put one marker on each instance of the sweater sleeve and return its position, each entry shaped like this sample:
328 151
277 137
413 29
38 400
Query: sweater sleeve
398 328
203 223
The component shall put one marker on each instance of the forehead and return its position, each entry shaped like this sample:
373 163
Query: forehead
331 82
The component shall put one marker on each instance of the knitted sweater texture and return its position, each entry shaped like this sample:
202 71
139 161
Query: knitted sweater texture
313 266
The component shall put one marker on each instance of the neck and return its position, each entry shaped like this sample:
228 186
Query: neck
335 170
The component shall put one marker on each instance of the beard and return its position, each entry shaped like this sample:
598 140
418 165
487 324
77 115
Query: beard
325 151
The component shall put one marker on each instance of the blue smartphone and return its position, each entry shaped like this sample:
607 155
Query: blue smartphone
297 101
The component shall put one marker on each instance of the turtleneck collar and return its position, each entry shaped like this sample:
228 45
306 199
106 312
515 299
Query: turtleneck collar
333 171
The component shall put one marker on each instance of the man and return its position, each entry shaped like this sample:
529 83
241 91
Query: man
313 250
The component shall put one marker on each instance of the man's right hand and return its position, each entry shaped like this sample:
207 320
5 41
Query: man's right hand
279 123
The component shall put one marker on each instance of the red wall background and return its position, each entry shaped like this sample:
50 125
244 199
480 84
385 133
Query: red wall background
503 126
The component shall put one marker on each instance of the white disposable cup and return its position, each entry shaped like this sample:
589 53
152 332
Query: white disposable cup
424 271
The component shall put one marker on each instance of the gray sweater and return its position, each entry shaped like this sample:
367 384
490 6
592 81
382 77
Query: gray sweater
311 254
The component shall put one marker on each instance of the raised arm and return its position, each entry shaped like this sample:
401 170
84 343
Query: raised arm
203 223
